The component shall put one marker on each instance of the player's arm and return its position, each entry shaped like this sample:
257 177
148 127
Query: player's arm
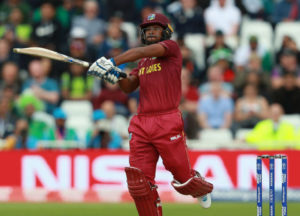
131 55
105 68
131 83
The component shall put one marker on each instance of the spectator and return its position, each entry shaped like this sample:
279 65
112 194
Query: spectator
78 47
244 53
47 32
226 11
21 138
113 119
117 20
113 93
261 81
272 133
188 105
215 74
75 85
115 42
63 14
60 132
288 96
103 136
94 26
287 44
189 19
215 110
250 108
16 25
43 88
286 11
10 77
5 52
288 64
8 92
190 94
253 74
28 106
190 64
218 44
6 8
7 119
223 58
254 65
47 67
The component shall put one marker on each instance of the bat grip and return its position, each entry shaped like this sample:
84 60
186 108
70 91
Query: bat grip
123 75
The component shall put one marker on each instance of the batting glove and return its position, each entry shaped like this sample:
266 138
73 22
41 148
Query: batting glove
113 75
100 68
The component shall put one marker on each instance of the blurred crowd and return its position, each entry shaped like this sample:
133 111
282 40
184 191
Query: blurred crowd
242 86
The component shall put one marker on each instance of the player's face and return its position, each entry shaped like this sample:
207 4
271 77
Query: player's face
153 34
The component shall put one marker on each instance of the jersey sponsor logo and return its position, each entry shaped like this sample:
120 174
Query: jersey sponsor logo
175 137
151 17
150 69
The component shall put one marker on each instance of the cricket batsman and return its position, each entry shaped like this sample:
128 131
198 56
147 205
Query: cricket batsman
157 129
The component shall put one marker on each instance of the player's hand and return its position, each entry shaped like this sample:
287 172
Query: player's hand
100 68
113 75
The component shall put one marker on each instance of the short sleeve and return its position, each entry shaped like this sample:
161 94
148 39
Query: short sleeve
172 48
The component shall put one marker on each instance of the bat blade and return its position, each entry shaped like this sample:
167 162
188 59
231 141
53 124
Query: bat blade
46 53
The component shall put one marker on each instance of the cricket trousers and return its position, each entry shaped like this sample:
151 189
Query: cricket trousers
159 134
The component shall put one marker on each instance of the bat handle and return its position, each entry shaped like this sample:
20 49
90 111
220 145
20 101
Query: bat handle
123 75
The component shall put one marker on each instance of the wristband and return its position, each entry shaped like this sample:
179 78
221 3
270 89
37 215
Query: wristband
113 61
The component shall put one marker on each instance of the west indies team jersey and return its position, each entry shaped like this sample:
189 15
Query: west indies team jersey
160 80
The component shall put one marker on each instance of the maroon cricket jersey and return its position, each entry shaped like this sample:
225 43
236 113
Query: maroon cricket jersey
160 80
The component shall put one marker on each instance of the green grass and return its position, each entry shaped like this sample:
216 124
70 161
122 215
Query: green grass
128 209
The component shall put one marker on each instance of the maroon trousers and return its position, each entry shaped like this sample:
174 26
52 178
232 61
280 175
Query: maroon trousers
161 134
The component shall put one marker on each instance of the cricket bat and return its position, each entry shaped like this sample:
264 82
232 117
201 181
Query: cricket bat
46 53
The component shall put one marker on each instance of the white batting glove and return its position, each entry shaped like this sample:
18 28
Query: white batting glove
113 75
100 68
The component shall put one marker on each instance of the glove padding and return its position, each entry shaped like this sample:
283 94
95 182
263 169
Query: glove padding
113 75
104 69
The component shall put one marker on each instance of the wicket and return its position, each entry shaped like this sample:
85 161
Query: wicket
259 200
